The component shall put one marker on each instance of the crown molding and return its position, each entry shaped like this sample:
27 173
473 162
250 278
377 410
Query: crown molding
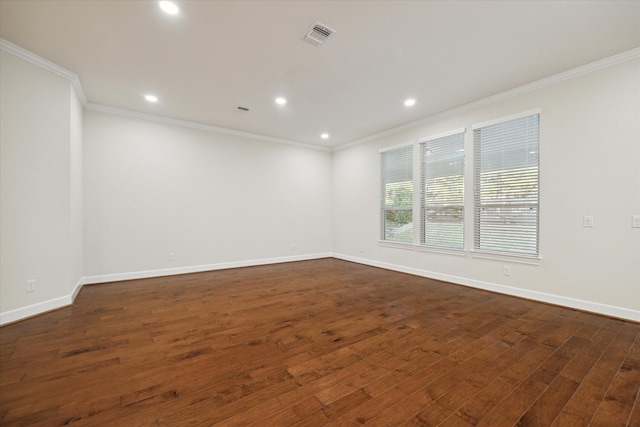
557 78
22 53
198 126
75 81
610 61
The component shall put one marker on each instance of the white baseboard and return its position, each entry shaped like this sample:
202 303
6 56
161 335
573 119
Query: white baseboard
56 303
590 306
34 309
60 302
89 280
76 289
41 307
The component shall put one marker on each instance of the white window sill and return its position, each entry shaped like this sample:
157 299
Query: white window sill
445 251
398 245
521 259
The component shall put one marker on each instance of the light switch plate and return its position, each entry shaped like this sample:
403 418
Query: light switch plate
587 221
635 221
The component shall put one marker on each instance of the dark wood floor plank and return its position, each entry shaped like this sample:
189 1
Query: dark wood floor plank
345 403
455 420
583 362
470 388
400 411
615 408
634 417
513 408
591 391
367 410
312 343
547 407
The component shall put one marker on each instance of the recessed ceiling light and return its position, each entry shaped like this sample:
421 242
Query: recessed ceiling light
151 98
281 101
410 102
169 7
324 136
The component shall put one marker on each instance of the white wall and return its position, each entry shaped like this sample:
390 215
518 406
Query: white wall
590 165
40 132
213 200
76 195
94 196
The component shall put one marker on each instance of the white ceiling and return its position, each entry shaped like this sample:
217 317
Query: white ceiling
216 55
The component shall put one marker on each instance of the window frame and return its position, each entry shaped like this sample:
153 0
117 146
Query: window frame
445 138
480 251
384 207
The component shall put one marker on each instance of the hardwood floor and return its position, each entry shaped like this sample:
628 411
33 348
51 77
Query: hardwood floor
323 342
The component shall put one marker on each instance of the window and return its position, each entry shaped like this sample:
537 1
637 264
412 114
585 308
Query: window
442 195
397 194
506 185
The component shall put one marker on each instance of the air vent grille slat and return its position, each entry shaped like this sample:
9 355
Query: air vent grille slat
317 34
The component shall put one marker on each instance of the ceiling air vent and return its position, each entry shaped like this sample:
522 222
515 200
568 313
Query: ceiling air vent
317 34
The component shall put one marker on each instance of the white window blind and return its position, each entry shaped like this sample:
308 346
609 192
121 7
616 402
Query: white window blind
397 194
442 195
506 186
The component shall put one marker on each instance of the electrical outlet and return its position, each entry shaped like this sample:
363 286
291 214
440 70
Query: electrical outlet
635 221
294 247
31 285
506 270
172 256
587 221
